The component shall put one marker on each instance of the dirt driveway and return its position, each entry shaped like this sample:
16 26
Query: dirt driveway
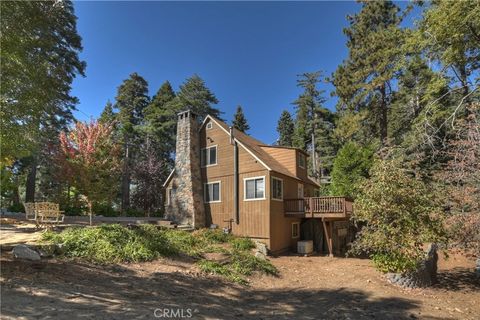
307 288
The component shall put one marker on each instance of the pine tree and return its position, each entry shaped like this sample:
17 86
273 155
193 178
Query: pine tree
40 58
161 120
195 95
285 129
375 48
314 124
131 101
107 115
239 121
350 168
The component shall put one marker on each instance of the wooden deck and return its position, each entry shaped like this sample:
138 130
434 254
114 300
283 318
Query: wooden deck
319 207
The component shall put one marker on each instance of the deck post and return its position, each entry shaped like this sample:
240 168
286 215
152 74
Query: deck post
310 200
328 236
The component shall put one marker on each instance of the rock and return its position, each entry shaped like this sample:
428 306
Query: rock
424 276
261 247
260 255
24 252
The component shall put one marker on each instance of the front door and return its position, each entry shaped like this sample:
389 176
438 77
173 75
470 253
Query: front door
300 196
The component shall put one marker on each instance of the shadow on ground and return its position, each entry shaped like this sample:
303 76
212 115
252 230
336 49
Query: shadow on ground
62 290
457 279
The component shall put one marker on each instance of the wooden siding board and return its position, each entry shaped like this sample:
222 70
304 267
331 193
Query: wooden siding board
254 215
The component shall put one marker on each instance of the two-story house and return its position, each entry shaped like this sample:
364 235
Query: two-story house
224 177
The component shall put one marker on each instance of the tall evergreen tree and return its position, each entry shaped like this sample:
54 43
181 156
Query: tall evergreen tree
314 124
239 121
285 129
40 58
375 47
161 120
107 115
131 100
195 95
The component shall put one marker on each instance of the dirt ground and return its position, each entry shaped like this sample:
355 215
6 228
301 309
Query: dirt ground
306 288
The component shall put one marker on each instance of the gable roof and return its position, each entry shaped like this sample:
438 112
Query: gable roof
254 147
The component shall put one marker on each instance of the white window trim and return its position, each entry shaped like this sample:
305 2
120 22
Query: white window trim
209 125
216 158
205 186
304 160
245 188
271 187
298 230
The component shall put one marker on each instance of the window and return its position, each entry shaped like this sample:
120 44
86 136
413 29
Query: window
212 192
209 125
254 188
295 230
277 188
301 160
209 156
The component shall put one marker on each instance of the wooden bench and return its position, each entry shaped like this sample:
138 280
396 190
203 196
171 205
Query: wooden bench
44 212
30 213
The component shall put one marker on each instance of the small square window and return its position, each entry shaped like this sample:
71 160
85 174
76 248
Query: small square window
277 188
254 188
209 156
301 160
212 192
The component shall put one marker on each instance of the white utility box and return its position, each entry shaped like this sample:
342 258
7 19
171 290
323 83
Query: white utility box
305 247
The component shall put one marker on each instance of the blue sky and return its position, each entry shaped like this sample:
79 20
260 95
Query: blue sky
248 53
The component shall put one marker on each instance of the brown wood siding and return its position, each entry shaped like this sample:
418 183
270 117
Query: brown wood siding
289 159
254 217
301 172
281 226
285 157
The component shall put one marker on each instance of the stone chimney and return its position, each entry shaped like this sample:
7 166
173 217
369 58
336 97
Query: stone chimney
187 206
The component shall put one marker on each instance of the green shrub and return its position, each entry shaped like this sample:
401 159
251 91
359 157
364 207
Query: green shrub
393 262
398 215
16 208
242 243
73 210
132 212
105 210
214 235
114 243
350 167
239 265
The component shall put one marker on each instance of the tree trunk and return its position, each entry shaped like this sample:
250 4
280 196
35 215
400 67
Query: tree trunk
126 181
31 182
383 117
15 196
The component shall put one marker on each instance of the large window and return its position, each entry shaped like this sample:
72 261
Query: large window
212 192
209 156
254 188
277 188
301 160
295 230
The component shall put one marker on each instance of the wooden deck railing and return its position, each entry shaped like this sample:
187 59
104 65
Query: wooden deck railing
318 205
